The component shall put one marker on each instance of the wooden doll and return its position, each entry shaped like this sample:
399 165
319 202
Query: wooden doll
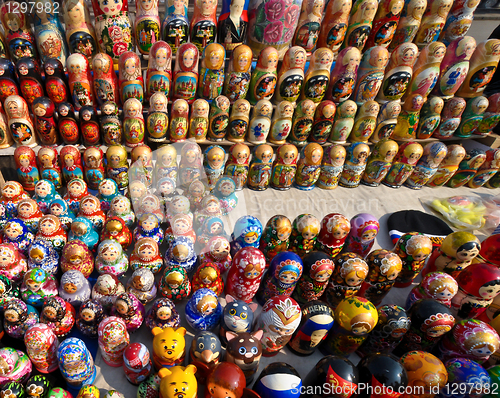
305 229
203 26
398 72
18 34
166 164
211 71
408 155
364 229
331 167
413 248
370 74
360 23
237 77
93 158
186 73
458 21
385 23
323 122
19 121
430 117
130 82
432 22
302 122
260 123
159 75
448 166
45 126
238 121
176 25
308 167
343 122
179 120
5 137
334 26
237 164
343 76
30 79
71 163
111 125
27 170
365 122
467 168
450 119
144 154
133 122
259 173
232 24
198 121
409 22
454 66
308 27
355 164
408 118
48 161
89 126
55 81
318 268
157 122
491 116
282 123
117 165
487 170
317 77
147 25
291 75
264 77
67 124
49 32
105 79
386 121
472 116
80 80
80 33
379 162
284 167
427 166
214 159
190 167
275 237
218 118
8 79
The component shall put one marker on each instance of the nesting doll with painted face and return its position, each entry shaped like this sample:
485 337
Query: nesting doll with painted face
427 166
18 35
93 167
30 79
305 230
413 248
8 79
433 21
308 27
159 76
438 286
344 74
232 24
334 27
175 28
131 82
203 26
157 121
191 165
365 122
385 23
281 125
355 164
302 122
331 166
105 79
71 162
80 80
238 121
27 170
487 170
147 25
318 268
117 165
334 230
323 122
364 229
89 125
472 116
451 117
185 79
408 155
214 164
133 122
491 116
379 162
259 173
218 118
211 71
459 20
430 117
448 166
309 166
406 127
291 75
409 22
275 237
343 122
179 121
237 164
467 168
317 78
80 33
264 77
56 86
284 167
370 74
198 121
260 123
237 77
360 23
45 125
67 124
19 121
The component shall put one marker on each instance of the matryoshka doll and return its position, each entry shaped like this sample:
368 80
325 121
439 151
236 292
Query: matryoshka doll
487 170
451 117
413 248
302 122
27 170
111 125
115 228
55 81
237 77
409 22
59 315
203 311
284 167
437 286
308 167
137 365
76 191
334 26
291 75
408 155
467 168
147 26
365 122
260 123
245 273
185 79
331 166
93 167
218 118
105 291
80 81
238 121
157 121
323 122
80 33
17 233
45 193
305 230
90 208
430 117
427 166
237 164
247 232
355 318
214 164
29 213
318 268
472 116
146 255
259 173
51 230
355 164
12 193
159 75
207 275
225 191
432 22
308 26
175 284
122 208
379 162
275 237
111 259
459 20
406 127
385 23
89 125
142 285
364 229
8 79
217 251
19 121
18 35
190 167
37 286
371 73
203 25
82 229
117 167
131 82
198 121
113 339
360 23
491 116
343 75
196 192
48 159
41 347
162 314
74 288
13 264
18 317
130 309
281 125
30 79
179 121
425 371
77 256
264 77
76 363
67 124
105 79
334 230
317 78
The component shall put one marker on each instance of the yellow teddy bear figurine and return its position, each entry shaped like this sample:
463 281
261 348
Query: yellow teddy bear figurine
178 381
169 346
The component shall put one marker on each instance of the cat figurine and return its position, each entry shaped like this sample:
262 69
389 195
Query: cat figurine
245 350
237 317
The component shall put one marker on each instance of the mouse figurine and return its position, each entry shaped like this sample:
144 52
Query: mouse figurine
205 353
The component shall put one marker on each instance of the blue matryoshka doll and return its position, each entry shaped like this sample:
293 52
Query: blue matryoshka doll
181 254
45 193
76 363
60 208
149 227
203 311
247 233
17 233
108 190
82 229
466 379
280 280
225 191
43 255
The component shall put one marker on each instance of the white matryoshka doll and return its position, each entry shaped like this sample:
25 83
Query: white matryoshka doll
291 75
360 23
237 77
379 162
409 22
185 79
282 123
459 20
343 122
343 76
370 74
365 122
159 74
80 80
284 167
427 166
355 164
308 167
331 166
433 21
308 27
334 26
385 23
238 121
147 25
386 121
260 123
430 117
318 75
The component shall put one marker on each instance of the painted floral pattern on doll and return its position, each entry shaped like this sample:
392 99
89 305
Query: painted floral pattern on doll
163 314
175 284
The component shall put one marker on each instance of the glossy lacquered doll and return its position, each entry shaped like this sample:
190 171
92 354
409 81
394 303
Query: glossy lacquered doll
30 79
37 286
19 121
159 75
80 33
331 166
237 78
318 269
111 259
106 289
245 274
448 166
74 288
291 75
427 166
185 80
18 36
50 229
130 309
379 162
365 122
284 167
438 286
82 229
162 314
41 346
344 74
175 284
13 264
203 311
355 164
408 155
467 168
27 170
77 256
29 212
264 77
113 339
370 74
80 80
59 315
237 164
413 248
334 230
308 167
18 317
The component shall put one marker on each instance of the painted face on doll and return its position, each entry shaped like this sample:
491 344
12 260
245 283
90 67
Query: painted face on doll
283 235
188 58
207 6
121 307
13 231
419 256
226 189
467 255
146 252
308 235
163 313
147 4
13 24
368 236
438 331
132 110
444 295
47 227
339 233
138 283
279 330
42 190
298 60
190 156
50 313
317 336
25 162
322 276
353 280
88 206
207 305
148 206
166 188
88 315
289 157
24 210
75 189
179 5
110 7
106 188
359 330
109 254
70 288
216 229
180 227
288 277
251 272
33 285
6 258
252 238
481 351
217 391
489 292
391 275
11 316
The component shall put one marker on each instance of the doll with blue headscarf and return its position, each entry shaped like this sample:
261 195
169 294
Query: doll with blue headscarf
17 232
149 227
203 310
43 255
76 363
181 254
37 286
108 190
225 191
211 227
83 230
45 193
60 208
247 233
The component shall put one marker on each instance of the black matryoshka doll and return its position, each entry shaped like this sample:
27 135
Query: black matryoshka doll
323 122
237 76
309 166
259 172
159 74
370 73
413 248
284 167
305 230
291 75
55 81
355 164
275 237
185 80
157 121
430 117
45 125
379 162
67 124
334 230
392 325
264 77
334 26
8 79
467 168
383 372
318 268
218 118
232 24
315 323
302 122
30 79
238 121
175 29
318 75
331 166
203 26
386 120
427 166
89 126
344 74
408 155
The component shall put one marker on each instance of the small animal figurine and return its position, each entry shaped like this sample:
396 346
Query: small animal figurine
59 315
371 73
111 259
50 229
237 78
364 229
308 26
291 75
430 117
331 167
175 374
18 35
365 122
30 79
162 314
244 350
83 229
343 76
205 352
8 79
80 80
428 164
438 286
245 274
174 283
237 318
360 23
451 117
413 248
218 118
334 27
386 120
142 285
198 121
113 338
89 125
432 22
27 170
76 363
45 126
467 168
18 318
37 286
385 23
237 164
333 233
491 116
29 213
19 121
264 77
130 309
318 269
67 124
41 347
302 122
106 289
284 167
185 80
408 155
379 162
80 34
308 167
77 256
472 117
117 165
74 288
203 311
355 164
137 364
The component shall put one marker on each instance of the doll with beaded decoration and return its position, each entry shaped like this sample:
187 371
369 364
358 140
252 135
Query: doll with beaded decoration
146 254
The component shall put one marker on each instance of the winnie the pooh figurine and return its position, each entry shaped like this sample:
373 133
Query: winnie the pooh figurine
176 379
168 347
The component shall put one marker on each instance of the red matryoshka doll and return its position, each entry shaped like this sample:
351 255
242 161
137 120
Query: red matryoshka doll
384 267
487 170
58 315
491 116
344 73
385 23
331 167
308 27
398 72
379 162
179 120
5 137
425 373
48 160
334 26
27 170
244 275
264 77
408 155
137 364
55 81
89 125
18 35
364 230
451 117
343 122
147 25
159 74
207 275
41 346
323 122
365 122
281 125
472 116
260 123
146 255
334 230
230 378
157 121
211 72
115 228
305 229
274 239
318 268
355 318
309 166
105 79
430 117
432 22
130 80
8 79
133 122
93 167
478 285
43 109
67 124
30 79
291 75
130 309
117 165
237 77
371 73
355 164
80 80
51 230
76 190
467 168
186 73
437 286
428 164
80 33
360 23
413 248
238 121
386 120
284 167
90 208
13 263
113 338
259 173
198 121
71 162
409 22
237 164
203 26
